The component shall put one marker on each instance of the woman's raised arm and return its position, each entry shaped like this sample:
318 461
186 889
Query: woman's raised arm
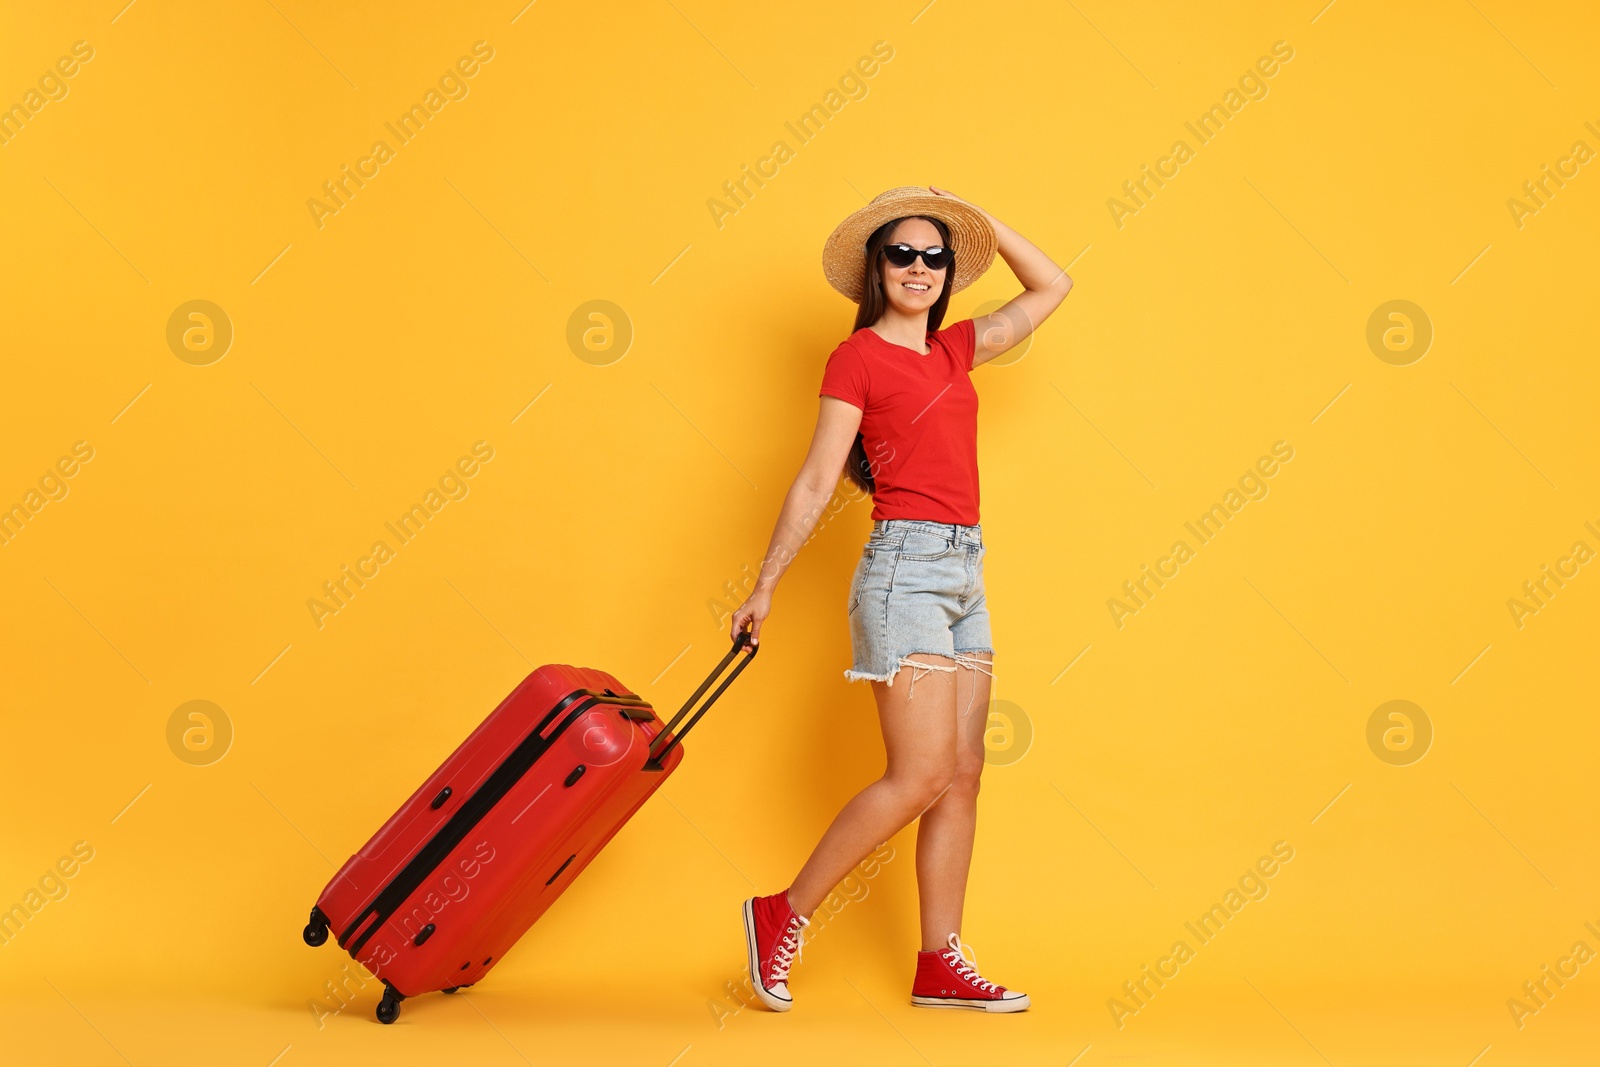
1044 287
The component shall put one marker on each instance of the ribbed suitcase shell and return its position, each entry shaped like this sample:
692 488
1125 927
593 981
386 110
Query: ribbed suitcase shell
460 917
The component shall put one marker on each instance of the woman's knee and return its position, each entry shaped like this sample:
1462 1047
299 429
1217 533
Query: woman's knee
920 786
966 779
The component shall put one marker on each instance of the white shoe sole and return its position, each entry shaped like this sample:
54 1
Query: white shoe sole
775 1003
1016 1004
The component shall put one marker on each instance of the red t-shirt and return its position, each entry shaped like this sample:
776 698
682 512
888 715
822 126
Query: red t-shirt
919 420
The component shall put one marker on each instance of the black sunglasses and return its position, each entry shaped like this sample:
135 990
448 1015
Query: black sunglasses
935 257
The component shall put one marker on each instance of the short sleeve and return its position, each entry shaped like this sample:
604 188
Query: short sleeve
845 376
961 339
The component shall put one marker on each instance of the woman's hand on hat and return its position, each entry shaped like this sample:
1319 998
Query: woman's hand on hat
948 195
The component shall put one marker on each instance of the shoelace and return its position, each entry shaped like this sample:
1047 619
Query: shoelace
788 951
964 966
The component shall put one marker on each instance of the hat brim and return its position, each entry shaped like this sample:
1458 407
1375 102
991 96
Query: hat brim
974 240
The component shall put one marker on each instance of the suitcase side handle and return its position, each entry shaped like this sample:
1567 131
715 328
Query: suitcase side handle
667 735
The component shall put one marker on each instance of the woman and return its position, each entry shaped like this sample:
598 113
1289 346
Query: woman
898 402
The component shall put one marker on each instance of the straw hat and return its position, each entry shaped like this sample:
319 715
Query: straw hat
844 254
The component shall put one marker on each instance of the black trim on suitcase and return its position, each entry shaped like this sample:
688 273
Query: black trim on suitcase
472 811
511 770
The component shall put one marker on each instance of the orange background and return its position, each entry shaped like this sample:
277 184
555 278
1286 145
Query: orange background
1139 771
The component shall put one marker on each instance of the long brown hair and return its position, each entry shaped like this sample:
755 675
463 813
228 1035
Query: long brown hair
873 302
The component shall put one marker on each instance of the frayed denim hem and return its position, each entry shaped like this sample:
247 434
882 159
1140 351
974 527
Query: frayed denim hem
963 658
889 677
967 657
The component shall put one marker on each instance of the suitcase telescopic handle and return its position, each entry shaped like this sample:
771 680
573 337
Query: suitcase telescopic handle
668 736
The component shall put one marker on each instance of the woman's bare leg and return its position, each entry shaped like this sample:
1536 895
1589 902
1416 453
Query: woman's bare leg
919 738
944 837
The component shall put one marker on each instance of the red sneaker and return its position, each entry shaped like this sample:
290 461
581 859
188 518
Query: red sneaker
948 979
772 932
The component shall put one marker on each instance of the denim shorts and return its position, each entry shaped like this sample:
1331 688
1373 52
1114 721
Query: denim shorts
918 588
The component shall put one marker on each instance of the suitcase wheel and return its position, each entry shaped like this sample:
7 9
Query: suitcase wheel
316 931
389 1006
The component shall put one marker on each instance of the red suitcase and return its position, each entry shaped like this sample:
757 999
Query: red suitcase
495 835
